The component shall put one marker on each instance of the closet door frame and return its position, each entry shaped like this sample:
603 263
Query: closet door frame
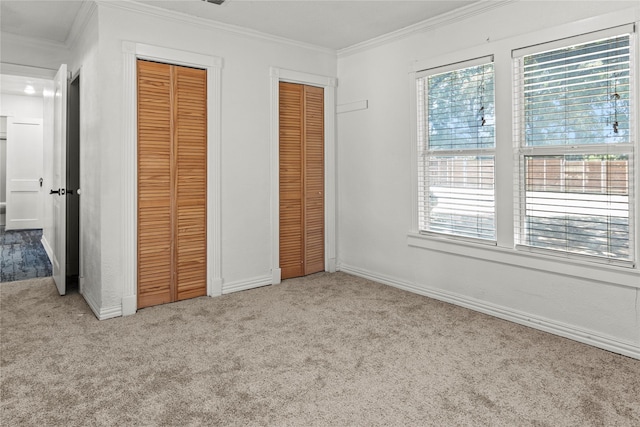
213 65
329 85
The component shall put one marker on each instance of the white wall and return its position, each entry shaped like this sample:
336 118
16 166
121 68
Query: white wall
85 62
21 106
245 132
375 204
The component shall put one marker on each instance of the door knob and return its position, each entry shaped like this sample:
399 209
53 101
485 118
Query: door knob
55 192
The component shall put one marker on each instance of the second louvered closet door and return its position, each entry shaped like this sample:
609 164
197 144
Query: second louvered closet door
301 180
172 177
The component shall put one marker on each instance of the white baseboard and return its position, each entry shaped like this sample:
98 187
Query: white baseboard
47 248
110 312
215 288
557 328
129 305
243 285
276 276
102 313
92 304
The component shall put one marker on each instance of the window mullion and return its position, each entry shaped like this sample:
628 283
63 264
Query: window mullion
599 149
462 152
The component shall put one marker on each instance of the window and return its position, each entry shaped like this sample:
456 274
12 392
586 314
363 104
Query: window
456 150
575 149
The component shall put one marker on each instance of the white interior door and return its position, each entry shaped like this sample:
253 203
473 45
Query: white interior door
24 173
57 193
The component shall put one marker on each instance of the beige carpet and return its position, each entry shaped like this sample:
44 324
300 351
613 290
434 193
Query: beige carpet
329 349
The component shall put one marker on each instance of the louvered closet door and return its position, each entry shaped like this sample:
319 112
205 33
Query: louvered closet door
155 225
314 179
171 183
301 180
191 187
291 180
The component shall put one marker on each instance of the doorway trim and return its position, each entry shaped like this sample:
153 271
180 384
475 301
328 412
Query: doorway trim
129 262
329 85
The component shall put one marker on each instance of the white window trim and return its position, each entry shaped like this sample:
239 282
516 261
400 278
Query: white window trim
504 252
482 60
590 271
572 40
521 150
414 76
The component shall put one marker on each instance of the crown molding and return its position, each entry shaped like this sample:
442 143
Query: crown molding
31 41
90 6
148 9
27 71
77 28
80 23
456 15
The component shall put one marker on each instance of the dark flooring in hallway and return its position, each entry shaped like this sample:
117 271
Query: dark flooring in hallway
22 255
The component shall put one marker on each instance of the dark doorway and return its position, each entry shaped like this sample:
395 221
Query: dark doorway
73 183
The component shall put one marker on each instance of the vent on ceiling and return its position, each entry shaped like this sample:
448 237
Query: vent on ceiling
214 1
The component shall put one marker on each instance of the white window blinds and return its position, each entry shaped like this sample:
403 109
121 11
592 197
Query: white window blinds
456 150
576 148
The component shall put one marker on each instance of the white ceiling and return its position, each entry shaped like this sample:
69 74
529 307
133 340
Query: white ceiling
326 23
16 85
47 20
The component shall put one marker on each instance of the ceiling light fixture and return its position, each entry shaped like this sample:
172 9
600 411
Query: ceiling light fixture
29 90
218 2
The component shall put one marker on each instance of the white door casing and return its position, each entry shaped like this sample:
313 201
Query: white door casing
24 173
131 52
329 84
57 193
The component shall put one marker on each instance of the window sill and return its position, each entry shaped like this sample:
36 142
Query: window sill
621 276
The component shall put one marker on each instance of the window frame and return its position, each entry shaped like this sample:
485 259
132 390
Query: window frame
504 252
421 180
522 151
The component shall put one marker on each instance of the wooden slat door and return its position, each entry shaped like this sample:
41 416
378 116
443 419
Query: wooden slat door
314 179
291 180
301 180
191 182
155 225
172 189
